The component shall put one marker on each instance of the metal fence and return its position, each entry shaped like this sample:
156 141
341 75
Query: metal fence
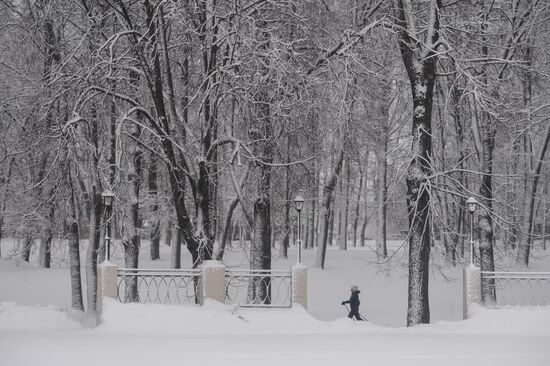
158 286
515 289
258 288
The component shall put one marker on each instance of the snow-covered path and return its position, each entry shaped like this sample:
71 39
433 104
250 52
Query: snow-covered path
216 334
87 348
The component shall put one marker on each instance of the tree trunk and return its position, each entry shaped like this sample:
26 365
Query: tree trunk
514 197
533 171
307 223
260 255
45 256
485 222
92 251
458 240
52 57
283 248
74 251
26 249
131 247
421 67
4 180
444 231
484 127
154 221
418 204
366 210
311 223
332 213
326 200
339 206
357 207
310 241
241 235
227 229
544 213
382 198
261 247
74 259
168 236
344 223
390 96
175 251
525 245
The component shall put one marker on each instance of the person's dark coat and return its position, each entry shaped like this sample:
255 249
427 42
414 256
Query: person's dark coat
353 301
354 305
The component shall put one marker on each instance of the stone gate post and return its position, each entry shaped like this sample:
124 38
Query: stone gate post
471 289
212 282
299 285
106 286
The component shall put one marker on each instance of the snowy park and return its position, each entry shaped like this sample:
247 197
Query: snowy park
274 182
38 327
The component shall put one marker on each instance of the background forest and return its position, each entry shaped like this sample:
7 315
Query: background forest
206 118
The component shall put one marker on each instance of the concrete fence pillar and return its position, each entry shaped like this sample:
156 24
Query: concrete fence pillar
106 285
299 285
212 283
471 289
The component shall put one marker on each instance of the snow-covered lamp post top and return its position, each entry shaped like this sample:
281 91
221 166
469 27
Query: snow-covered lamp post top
108 197
472 204
299 202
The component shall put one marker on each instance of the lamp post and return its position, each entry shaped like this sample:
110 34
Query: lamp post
299 205
472 206
108 197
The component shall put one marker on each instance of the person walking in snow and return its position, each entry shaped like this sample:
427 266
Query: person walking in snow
354 303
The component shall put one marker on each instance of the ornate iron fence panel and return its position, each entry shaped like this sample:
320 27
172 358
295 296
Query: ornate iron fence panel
258 288
515 289
158 286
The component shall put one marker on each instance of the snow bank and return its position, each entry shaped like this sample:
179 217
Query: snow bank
532 321
168 319
25 284
216 318
212 318
35 318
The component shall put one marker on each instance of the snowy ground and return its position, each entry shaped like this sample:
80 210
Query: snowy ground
215 335
133 334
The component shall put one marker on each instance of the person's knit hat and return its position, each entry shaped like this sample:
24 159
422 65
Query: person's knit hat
354 288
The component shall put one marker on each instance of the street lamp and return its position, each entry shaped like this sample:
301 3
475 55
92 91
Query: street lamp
472 206
108 198
299 205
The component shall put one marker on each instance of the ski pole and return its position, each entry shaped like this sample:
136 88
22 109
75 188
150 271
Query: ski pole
362 317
